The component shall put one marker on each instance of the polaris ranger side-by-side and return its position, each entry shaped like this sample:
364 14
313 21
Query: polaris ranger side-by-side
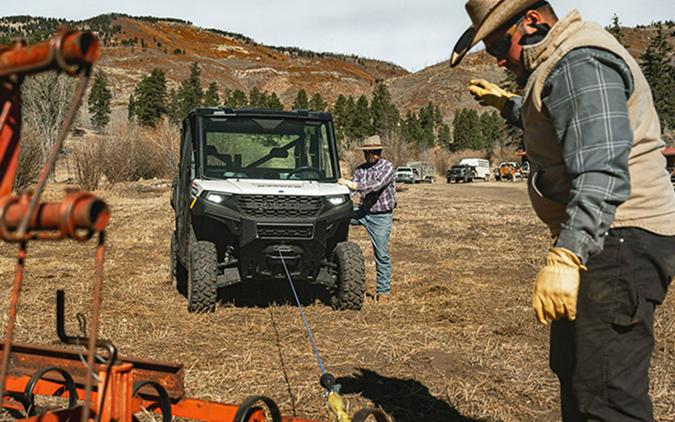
256 197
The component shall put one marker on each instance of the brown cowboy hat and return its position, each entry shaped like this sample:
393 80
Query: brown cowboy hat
372 143
487 16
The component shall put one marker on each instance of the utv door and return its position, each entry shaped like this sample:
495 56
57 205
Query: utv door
183 187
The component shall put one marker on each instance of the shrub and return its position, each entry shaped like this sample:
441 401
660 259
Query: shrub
87 155
31 160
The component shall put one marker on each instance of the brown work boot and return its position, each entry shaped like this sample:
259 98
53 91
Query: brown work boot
382 299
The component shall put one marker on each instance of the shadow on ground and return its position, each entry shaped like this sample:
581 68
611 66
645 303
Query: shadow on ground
405 400
263 293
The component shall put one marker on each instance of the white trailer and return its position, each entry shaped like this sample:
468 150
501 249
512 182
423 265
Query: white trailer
481 165
426 171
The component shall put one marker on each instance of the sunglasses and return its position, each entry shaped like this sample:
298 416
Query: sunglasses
501 47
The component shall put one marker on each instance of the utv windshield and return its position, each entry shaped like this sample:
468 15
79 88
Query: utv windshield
267 148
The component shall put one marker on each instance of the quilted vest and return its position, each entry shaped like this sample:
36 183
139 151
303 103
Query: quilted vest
651 205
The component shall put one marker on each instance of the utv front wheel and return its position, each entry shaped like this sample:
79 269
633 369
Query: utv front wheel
350 288
201 290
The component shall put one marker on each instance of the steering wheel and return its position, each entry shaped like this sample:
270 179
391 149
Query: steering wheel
303 169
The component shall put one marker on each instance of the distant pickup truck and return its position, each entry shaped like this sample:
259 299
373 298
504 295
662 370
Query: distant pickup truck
407 175
463 172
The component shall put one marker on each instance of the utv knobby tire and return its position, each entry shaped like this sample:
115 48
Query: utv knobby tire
202 289
351 281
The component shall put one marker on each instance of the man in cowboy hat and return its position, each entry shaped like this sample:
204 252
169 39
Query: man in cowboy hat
375 181
598 181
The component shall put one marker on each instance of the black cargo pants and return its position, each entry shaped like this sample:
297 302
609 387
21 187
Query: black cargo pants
602 358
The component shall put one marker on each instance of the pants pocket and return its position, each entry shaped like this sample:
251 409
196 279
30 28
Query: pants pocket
610 287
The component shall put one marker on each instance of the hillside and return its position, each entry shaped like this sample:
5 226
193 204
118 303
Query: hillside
132 46
448 87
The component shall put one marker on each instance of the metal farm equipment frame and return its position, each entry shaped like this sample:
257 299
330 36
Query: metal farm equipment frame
106 387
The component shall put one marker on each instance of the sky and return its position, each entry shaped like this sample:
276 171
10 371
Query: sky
413 34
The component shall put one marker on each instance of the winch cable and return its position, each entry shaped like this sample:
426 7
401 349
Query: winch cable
327 381
302 314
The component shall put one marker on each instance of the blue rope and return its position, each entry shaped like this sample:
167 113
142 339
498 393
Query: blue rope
302 314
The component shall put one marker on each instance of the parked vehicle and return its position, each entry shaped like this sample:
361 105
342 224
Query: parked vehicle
461 172
510 170
426 172
257 198
405 175
481 166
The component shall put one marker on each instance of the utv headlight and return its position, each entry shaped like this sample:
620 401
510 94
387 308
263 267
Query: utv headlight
338 199
216 198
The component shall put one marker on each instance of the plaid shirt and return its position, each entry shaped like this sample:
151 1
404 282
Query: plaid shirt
377 186
585 97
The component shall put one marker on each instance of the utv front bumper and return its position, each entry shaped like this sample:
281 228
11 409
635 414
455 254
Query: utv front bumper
261 230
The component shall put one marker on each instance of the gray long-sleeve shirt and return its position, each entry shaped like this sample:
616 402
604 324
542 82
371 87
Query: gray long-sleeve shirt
586 98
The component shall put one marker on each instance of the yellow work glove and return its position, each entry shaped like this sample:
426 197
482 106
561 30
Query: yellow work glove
557 286
345 182
487 93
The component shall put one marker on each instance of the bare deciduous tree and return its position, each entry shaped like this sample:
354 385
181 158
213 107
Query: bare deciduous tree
46 98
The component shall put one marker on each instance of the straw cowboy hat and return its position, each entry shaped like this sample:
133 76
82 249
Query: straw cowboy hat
372 143
487 16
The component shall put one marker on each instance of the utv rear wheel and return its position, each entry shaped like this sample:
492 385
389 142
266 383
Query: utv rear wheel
350 288
202 291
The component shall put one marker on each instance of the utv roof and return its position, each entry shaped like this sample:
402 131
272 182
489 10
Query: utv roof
247 112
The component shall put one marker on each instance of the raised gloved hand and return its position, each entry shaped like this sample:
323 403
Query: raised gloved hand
346 182
557 286
487 93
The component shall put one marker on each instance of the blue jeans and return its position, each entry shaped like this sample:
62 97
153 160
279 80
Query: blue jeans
378 227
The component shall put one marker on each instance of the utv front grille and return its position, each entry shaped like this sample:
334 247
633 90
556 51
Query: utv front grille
286 232
280 206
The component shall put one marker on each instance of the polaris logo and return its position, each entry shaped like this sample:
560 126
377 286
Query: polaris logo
280 206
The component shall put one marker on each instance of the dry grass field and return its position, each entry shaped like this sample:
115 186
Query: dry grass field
459 342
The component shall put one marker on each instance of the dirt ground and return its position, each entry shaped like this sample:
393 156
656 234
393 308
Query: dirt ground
459 342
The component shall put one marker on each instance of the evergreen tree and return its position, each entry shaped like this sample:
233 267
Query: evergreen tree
491 126
444 136
273 102
658 68
385 115
350 110
615 29
466 130
256 98
427 122
301 102
412 130
361 123
237 99
212 98
340 117
190 93
172 107
317 103
99 102
149 99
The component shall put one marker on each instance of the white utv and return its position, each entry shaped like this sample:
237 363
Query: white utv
256 197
